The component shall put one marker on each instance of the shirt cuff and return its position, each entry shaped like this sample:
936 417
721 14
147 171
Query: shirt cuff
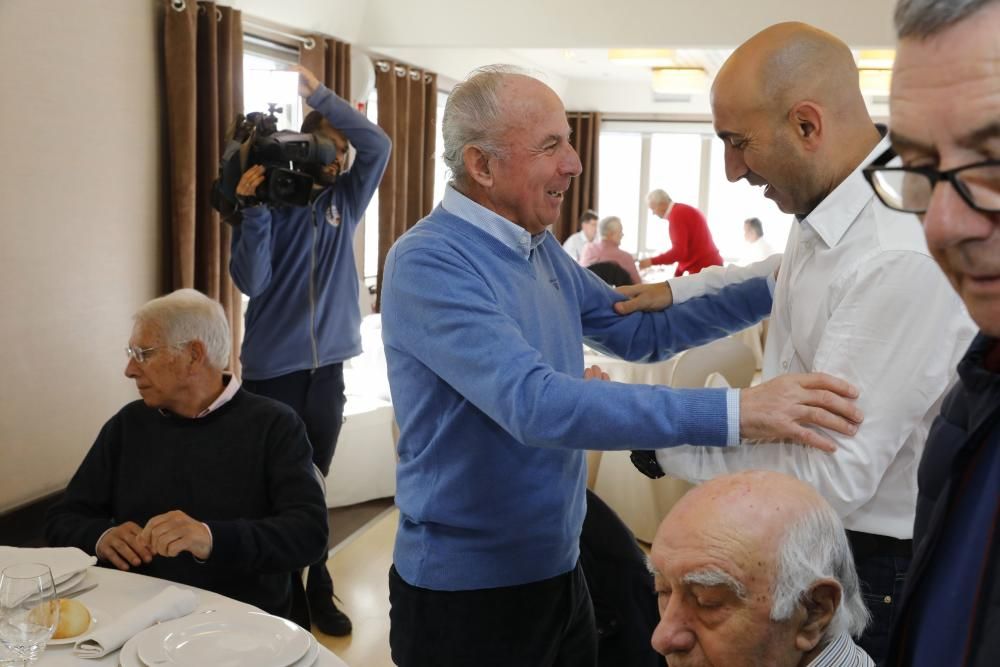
732 417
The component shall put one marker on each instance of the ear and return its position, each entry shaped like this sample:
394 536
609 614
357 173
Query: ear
198 353
821 602
477 165
807 119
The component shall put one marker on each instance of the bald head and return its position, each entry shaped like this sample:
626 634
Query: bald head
788 62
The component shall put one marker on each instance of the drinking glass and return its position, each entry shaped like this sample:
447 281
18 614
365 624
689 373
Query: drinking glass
29 610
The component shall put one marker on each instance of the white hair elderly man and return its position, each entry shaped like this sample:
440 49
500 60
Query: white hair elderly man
200 482
945 112
754 569
607 248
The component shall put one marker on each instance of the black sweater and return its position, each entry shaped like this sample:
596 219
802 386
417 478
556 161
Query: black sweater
245 470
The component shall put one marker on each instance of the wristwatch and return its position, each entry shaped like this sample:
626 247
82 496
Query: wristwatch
645 461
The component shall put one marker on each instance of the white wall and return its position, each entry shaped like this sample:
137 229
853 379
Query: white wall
79 224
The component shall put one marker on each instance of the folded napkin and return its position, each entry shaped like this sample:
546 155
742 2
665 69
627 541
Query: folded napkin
63 561
170 603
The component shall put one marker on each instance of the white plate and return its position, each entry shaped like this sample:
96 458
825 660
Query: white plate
224 639
129 655
96 616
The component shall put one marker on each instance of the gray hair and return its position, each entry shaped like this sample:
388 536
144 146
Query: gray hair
815 547
185 315
473 116
658 196
713 576
923 18
609 225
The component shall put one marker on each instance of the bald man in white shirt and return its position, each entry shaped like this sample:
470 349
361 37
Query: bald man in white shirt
857 296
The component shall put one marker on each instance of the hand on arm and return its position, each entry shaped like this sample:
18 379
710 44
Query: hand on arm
124 546
779 410
647 298
173 532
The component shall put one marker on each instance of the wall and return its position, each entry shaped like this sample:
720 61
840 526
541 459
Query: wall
80 221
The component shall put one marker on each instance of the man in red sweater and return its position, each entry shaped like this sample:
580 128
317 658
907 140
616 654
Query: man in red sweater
692 246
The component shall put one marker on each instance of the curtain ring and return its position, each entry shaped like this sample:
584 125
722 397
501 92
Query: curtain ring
309 43
383 66
178 5
415 75
400 71
428 78
218 15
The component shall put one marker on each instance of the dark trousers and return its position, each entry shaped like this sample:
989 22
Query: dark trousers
318 398
547 623
882 570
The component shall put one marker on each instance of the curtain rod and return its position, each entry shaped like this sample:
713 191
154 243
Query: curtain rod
307 42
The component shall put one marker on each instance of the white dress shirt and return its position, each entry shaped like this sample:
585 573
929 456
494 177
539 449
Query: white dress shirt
858 297
574 244
842 652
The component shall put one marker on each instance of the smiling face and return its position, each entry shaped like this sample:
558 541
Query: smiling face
761 148
527 184
962 62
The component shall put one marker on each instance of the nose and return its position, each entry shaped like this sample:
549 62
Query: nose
673 633
132 369
736 168
571 165
949 220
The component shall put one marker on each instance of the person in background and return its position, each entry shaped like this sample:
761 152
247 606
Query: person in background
200 482
945 120
607 248
757 248
588 232
691 244
857 296
484 317
303 321
754 569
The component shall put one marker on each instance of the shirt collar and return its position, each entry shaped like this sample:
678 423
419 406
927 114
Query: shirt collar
511 235
837 212
232 385
842 652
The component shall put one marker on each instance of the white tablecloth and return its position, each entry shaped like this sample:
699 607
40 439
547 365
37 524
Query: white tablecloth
118 592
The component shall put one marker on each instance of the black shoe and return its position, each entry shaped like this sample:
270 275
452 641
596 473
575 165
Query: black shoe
328 619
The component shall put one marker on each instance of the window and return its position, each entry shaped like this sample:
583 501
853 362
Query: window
266 81
686 160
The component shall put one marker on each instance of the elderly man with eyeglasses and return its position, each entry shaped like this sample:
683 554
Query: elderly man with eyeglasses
200 482
945 111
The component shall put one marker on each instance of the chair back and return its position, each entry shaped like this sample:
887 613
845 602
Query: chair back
726 356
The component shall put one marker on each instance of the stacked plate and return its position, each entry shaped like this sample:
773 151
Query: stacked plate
222 639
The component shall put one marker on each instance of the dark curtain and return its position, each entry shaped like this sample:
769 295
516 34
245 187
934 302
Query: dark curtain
203 75
582 193
330 61
407 112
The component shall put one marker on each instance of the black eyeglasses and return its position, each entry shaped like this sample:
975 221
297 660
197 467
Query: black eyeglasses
909 189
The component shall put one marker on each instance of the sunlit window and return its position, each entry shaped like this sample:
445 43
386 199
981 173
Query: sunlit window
618 182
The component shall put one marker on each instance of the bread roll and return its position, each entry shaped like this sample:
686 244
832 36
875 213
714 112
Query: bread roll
74 619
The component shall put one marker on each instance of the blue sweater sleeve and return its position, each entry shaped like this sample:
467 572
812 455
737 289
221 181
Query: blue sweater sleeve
357 186
439 311
250 251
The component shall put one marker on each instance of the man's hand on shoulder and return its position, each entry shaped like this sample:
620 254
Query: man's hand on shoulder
781 409
171 533
647 298
308 83
124 547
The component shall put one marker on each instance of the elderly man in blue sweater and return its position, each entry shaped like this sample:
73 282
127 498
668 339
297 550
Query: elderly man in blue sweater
484 317
297 266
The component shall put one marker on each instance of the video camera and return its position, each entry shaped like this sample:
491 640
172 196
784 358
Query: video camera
292 159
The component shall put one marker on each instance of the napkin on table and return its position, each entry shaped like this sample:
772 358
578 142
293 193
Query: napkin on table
63 561
170 603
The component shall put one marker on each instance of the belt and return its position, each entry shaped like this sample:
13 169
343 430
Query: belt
865 545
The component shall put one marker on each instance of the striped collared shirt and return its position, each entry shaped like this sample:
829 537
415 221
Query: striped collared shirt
842 652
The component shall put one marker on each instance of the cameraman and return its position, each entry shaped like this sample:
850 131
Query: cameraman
297 266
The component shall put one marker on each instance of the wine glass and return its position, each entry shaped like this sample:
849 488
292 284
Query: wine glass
29 610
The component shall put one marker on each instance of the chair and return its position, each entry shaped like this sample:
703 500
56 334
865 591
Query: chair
726 356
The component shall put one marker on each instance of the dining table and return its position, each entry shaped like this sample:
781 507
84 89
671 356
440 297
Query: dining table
117 592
